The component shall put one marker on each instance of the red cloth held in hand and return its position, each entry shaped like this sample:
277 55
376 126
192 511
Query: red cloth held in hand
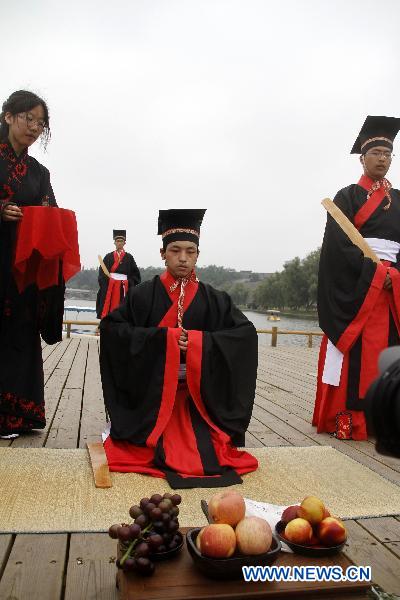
45 236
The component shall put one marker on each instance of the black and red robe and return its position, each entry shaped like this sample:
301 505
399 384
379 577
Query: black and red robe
112 291
27 315
359 317
185 431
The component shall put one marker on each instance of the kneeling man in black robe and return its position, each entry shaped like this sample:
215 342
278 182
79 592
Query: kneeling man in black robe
178 364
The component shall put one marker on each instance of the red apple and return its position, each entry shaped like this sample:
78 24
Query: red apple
326 513
290 513
227 507
298 531
199 538
331 531
253 535
218 541
312 510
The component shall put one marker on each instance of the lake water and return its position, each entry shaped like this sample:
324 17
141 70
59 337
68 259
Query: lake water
260 322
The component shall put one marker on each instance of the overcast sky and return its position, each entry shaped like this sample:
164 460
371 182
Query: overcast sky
247 108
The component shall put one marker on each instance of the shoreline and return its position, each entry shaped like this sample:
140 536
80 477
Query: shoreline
311 316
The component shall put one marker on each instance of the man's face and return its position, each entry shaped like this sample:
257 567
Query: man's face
119 243
180 258
376 162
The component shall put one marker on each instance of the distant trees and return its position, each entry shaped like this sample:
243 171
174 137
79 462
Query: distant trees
269 293
150 272
84 280
219 277
295 287
239 294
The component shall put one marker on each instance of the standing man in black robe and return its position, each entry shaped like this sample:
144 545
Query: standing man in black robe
178 364
117 273
358 299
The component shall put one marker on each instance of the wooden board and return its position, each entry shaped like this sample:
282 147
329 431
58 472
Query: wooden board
179 579
93 417
35 568
364 549
98 459
91 567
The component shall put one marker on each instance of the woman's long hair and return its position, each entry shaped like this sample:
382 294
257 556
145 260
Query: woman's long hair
19 102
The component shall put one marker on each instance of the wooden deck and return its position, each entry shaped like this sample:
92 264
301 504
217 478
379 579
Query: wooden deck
81 566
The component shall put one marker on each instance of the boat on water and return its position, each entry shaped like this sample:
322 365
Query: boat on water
273 315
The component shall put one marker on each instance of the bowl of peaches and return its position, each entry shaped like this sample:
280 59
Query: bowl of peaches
231 540
310 529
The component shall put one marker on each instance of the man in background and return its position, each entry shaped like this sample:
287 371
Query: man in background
117 273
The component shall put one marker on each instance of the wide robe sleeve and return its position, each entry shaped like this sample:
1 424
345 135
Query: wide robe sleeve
348 282
133 273
46 191
103 281
132 362
229 365
51 311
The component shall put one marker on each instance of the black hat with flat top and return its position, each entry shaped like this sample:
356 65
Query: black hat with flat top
119 233
376 131
181 224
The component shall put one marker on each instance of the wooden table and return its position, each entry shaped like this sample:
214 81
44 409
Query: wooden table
179 579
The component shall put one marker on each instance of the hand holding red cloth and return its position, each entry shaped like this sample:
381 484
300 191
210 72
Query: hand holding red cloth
47 239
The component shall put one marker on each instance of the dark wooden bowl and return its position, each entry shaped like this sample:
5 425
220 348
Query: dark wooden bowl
228 568
168 553
316 550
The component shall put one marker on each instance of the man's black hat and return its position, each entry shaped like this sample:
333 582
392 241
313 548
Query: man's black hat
181 224
376 131
119 233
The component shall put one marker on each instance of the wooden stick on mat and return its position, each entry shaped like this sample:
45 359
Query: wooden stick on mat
98 459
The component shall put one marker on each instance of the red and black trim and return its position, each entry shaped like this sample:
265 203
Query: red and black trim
18 414
374 200
356 313
351 333
17 169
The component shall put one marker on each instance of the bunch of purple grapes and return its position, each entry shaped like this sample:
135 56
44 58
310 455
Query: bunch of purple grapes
154 531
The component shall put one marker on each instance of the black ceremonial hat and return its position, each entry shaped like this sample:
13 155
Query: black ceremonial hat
376 131
119 233
180 224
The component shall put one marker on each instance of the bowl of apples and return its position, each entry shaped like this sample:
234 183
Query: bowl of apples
231 540
309 529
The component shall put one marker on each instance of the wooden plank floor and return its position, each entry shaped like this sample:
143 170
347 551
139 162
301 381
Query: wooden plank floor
81 566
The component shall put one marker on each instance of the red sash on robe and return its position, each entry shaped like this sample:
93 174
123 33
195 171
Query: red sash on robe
354 329
113 295
371 204
47 239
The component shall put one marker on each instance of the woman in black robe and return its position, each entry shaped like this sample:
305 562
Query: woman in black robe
23 316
